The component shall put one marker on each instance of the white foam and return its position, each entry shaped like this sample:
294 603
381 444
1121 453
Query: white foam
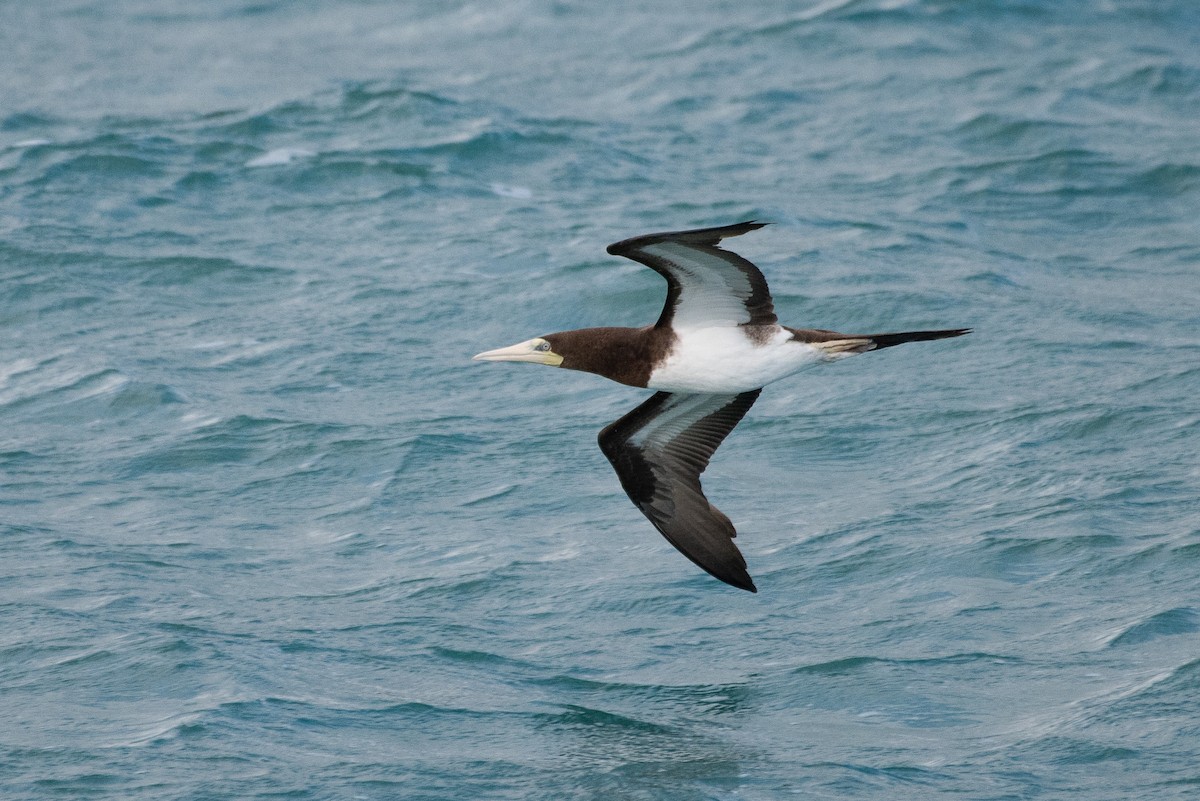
280 155
519 192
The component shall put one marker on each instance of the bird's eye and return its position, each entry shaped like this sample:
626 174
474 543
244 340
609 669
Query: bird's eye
542 346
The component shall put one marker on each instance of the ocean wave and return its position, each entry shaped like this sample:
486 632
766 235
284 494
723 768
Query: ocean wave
1181 620
855 664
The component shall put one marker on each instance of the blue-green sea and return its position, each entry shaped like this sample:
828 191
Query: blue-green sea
267 532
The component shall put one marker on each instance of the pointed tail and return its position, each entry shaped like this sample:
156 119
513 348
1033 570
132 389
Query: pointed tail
887 340
838 345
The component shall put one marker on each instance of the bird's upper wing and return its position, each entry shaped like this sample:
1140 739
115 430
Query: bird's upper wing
706 286
659 451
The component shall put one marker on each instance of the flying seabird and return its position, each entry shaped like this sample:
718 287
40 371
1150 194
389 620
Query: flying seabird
715 346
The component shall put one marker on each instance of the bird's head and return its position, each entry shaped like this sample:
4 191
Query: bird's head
621 354
538 350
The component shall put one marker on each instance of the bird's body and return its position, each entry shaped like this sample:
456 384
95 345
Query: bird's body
715 345
731 359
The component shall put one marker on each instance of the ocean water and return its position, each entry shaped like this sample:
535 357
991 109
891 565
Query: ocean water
267 532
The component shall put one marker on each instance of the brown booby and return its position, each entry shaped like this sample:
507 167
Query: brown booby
714 347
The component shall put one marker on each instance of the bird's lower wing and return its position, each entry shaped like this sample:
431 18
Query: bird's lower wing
659 451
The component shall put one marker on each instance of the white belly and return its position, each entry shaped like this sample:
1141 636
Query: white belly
724 359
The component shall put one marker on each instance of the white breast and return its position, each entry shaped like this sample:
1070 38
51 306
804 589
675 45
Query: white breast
725 359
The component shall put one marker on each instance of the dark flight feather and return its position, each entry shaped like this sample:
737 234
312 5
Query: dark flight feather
659 451
698 271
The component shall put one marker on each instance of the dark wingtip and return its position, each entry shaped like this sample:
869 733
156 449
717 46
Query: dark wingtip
744 228
741 580
710 236
737 229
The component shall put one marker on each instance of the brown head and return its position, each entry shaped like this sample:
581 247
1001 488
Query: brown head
625 355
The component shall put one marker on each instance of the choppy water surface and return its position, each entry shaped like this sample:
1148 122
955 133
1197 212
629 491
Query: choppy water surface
268 532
